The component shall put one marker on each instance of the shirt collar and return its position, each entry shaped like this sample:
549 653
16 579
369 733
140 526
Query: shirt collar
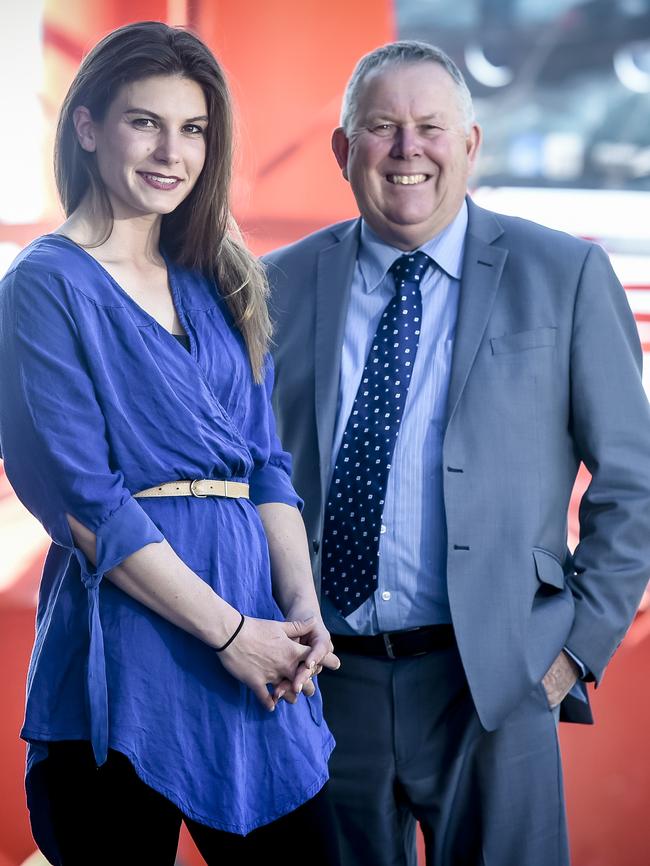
446 249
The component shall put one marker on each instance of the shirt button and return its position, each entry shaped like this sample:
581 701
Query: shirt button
382 530
385 595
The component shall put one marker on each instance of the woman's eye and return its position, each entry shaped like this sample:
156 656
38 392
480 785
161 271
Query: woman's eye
193 129
144 123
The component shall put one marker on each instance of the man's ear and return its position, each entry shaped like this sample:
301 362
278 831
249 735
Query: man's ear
341 148
473 144
85 128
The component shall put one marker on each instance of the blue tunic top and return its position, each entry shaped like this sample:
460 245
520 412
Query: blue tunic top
98 401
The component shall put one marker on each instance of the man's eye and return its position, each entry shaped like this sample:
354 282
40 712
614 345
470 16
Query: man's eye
430 129
384 129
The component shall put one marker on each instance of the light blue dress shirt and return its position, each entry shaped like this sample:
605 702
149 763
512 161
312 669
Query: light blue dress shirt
412 587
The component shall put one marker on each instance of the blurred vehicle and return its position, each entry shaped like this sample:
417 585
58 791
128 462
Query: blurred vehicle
578 161
562 90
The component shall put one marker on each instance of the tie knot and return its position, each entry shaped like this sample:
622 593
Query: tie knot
410 268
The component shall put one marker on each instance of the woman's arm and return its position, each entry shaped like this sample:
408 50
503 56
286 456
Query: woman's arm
293 585
263 652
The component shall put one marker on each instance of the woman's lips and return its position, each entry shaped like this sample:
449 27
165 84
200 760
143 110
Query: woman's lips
159 181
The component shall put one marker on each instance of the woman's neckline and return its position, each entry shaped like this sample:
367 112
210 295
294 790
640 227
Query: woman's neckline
122 291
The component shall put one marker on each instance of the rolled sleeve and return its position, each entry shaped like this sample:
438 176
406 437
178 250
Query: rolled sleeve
126 530
271 477
271 483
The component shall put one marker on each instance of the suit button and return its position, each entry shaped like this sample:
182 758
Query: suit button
315 545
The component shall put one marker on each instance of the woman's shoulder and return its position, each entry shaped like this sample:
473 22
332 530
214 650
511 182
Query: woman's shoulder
58 265
51 254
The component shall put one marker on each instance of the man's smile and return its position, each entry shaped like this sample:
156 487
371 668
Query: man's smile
407 179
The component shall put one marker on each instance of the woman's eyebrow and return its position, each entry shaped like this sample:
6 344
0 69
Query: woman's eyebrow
158 117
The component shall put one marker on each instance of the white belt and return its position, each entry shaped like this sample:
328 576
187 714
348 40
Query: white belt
198 487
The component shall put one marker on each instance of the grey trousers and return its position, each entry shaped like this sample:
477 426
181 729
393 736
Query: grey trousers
410 748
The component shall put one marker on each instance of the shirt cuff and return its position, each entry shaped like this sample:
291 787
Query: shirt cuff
272 484
128 529
583 670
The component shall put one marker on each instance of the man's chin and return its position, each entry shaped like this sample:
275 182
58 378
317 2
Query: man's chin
405 233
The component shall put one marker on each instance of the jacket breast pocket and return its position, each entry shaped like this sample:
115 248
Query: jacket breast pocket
523 341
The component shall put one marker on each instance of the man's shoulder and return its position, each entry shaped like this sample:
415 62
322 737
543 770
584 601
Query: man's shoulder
310 245
523 235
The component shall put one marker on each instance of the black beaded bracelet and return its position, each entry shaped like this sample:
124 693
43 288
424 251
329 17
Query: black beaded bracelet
220 649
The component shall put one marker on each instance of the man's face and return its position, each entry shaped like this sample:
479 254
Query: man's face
408 155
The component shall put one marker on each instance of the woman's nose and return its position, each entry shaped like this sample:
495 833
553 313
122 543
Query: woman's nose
167 148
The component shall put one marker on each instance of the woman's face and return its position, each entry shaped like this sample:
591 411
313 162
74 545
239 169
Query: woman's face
150 147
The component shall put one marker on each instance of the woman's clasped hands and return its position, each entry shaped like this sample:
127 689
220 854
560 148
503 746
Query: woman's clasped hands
285 655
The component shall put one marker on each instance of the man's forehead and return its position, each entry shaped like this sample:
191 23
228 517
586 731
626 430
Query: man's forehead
423 71
425 90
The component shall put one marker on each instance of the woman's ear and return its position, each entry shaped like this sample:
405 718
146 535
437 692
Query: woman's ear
84 127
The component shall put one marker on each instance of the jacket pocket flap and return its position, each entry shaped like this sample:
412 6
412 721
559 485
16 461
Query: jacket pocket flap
523 340
548 568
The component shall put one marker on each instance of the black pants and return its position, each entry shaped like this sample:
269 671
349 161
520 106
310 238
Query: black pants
107 815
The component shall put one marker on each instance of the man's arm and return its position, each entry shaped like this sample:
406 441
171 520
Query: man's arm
610 424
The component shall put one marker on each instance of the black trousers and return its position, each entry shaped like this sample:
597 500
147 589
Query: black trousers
107 815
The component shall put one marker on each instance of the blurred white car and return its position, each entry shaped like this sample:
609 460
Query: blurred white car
619 220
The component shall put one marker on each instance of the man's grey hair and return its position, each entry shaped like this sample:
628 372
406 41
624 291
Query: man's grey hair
398 53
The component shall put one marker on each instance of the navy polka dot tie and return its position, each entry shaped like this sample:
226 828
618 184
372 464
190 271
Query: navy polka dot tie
353 516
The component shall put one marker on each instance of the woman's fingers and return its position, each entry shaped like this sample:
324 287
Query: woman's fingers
263 653
303 675
331 661
285 690
267 652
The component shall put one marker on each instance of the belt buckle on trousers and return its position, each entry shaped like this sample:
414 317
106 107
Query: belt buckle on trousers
389 646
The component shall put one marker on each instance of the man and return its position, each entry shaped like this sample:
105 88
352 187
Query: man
437 405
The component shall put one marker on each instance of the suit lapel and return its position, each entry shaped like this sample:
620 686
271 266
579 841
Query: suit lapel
335 269
482 268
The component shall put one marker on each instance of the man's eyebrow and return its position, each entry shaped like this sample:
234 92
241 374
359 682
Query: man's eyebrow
157 116
389 116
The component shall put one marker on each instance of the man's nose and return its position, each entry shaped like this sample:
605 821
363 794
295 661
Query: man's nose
406 143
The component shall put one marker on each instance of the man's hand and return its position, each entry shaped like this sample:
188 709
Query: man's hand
560 679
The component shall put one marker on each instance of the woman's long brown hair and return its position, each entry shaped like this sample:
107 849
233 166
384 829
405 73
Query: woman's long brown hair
201 232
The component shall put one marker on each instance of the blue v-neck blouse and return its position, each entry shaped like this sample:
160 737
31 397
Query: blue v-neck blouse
97 402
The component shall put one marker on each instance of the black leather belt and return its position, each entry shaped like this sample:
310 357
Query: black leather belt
397 644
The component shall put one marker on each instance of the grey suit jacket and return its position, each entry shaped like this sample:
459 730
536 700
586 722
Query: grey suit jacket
545 373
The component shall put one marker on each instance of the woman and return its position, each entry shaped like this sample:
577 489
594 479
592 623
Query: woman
135 424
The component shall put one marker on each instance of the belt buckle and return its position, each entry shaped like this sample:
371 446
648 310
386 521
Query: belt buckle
388 645
193 491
